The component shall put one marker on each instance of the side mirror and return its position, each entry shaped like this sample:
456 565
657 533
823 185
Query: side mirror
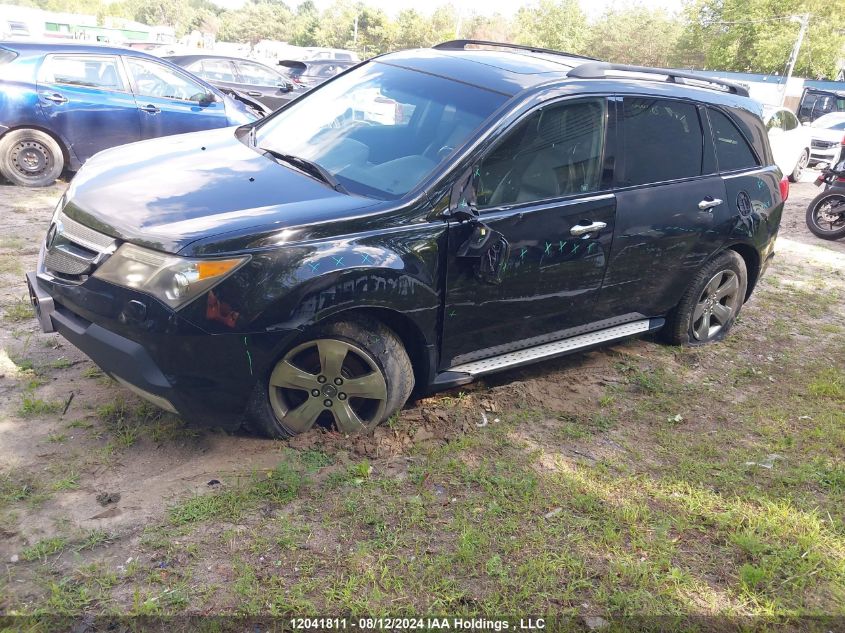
207 99
488 250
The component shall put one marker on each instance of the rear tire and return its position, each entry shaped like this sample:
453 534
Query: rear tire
348 375
710 304
30 158
816 214
800 166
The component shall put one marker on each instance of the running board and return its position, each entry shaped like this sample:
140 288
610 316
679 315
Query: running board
556 348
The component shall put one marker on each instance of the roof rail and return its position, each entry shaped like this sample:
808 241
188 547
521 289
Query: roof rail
462 45
598 70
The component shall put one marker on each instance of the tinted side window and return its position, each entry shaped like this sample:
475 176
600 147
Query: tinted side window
258 75
83 70
732 150
556 151
663 141
775 121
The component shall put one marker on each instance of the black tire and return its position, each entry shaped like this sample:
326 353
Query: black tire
30 158
371 344
800 166
834 230
684 323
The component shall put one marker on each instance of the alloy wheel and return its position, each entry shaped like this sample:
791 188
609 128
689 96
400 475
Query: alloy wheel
327 380
801 166
716 306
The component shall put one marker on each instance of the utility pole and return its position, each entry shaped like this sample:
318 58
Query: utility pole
805 22
355 36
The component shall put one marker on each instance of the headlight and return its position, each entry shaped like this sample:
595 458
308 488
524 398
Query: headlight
172 279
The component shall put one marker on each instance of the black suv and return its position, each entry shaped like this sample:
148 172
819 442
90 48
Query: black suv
424 218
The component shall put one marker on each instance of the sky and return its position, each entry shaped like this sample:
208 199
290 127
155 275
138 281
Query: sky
592 8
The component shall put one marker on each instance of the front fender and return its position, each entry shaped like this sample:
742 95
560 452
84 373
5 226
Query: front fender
293 287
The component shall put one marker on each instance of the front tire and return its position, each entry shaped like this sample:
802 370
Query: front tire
710 304
347 375
826 216
30 158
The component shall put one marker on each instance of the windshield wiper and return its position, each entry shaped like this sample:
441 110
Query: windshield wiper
311 168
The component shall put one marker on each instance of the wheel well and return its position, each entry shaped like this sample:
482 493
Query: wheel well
51 134
409 334
752 264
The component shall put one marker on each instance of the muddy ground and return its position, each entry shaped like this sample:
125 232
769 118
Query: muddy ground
96 486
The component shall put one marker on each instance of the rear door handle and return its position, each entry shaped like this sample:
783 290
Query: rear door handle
55 97
150 108
708 203
254 93
583 229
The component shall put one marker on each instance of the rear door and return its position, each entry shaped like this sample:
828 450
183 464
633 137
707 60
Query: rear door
670 201
86 99
544 189
170 101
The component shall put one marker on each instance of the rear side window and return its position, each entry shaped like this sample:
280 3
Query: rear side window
257 75
89 71
732 150
663 141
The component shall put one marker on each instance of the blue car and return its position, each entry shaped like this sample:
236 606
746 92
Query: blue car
62 103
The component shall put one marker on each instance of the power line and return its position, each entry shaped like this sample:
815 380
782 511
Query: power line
726 23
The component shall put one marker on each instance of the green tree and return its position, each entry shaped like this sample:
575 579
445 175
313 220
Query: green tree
558 24
306 21
174 13
411 30
337 25
635 36
255 22
758 35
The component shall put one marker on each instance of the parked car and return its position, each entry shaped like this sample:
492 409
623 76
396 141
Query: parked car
827 137
268 85
790 141
62 103
816 102
308 74
307 269
336 54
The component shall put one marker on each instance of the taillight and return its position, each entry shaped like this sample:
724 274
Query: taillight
784 188
843 141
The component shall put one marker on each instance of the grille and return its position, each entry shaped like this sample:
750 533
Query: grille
823 144
75 249
60 261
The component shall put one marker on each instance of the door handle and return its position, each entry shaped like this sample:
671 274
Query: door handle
708 203
583 229
150 108
254 93
55 97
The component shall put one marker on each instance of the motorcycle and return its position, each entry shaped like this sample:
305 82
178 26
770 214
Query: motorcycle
826 212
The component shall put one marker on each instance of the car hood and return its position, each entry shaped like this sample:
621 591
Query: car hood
826 134
169 192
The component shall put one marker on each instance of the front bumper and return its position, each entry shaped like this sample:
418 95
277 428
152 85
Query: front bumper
205 378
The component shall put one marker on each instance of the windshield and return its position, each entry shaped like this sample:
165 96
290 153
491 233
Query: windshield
379 129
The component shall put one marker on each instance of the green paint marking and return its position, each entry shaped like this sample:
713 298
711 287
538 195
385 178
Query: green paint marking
548 248
337 260
452 313
365 258
523 253
248 356
560 246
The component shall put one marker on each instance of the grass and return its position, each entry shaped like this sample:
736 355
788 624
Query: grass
44 548
33 406
18 311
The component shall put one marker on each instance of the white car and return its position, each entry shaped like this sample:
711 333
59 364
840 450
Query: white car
828 137
790 141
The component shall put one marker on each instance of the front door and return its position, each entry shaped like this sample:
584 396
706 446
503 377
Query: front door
264 84
87 101
543 189
170 102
